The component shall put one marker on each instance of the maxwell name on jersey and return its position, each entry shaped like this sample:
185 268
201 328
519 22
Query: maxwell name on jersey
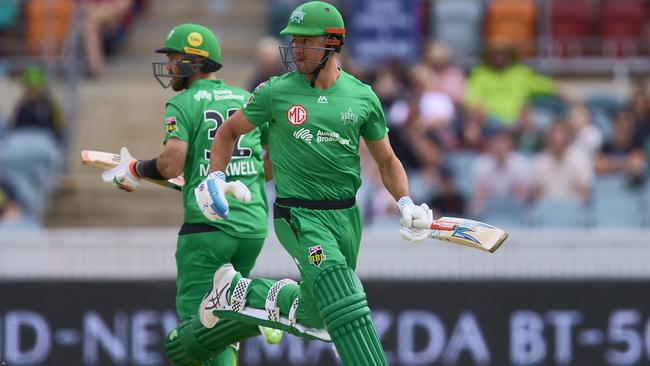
234 168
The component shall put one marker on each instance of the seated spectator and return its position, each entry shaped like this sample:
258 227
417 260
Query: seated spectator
268 60
500 173
560 171
527 135
640 107
448 78
101 17
587 137
37 108
472 131
447 201
622 153
47 25
501 85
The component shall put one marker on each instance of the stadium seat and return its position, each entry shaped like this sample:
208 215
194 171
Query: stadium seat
547 109
615 203
504 212
458 23
603 108
554 213
461 164
570 23
622 26
514 21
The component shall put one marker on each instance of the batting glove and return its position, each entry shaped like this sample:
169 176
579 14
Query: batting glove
211 195
123 176
414 234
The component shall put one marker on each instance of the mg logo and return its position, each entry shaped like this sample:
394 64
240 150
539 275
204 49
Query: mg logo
297 115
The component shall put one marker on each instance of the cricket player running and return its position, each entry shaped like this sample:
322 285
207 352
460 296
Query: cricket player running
191 119
317 116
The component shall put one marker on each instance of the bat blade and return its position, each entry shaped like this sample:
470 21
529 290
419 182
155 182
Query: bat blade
466 232
106 160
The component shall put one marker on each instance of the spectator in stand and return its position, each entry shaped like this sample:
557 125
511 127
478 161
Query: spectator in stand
500 173
447 201
9 206
37 108
101 17
587 137
501 85
560 171
472 131
640 107
527 136
623 153
269 62
448 78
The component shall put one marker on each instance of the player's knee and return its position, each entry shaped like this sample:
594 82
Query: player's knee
340 297
182 348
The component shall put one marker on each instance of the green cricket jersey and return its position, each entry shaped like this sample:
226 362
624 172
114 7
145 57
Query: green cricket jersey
314 135
193 116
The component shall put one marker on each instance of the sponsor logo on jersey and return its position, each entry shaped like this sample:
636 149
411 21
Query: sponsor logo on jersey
297 115
325 136
297 16
316 255
322 99
202 94
348 118
170 124
303 134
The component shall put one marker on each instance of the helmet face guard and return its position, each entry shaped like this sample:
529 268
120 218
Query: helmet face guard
289 61
188 66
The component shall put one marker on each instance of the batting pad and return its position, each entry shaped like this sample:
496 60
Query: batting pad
343 306
191 344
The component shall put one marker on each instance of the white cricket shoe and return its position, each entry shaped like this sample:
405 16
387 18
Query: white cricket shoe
217 296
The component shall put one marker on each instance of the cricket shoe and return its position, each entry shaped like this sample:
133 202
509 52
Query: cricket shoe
217 298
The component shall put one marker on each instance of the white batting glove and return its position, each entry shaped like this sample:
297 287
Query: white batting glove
211 195
123 176
409 211
413 234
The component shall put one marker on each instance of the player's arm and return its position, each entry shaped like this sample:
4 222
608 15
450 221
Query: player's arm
392 172
170 163
226 138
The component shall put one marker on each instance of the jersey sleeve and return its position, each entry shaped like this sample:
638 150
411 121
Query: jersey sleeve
374 127
264 133
176 123
258 108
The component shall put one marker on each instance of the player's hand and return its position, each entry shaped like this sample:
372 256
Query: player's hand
420 226
409 211
211 195
123 176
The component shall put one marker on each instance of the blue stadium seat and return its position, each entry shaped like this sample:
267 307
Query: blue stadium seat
462 165
615 204
458 23
547 109
553 213
30 162
603 108
504 212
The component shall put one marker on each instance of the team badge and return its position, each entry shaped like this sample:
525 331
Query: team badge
297 16
348 118
316 256
195 39
170 124
297 115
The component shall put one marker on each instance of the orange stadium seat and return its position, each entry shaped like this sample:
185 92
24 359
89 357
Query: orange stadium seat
513 21
48 23
570 23
622 24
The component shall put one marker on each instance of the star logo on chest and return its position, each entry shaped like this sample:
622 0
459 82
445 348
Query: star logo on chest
349 118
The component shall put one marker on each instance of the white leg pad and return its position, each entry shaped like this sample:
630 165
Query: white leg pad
272 299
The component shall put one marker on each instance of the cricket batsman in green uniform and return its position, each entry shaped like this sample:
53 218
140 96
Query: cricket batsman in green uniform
191 120
317 116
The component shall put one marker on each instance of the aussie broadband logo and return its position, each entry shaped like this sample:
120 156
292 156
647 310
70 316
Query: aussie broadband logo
303 134
325 136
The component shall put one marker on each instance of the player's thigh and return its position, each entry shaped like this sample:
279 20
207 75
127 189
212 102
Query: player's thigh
247 252
197 257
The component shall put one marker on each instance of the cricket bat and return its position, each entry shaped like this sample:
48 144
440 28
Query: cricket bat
466 232
107 160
